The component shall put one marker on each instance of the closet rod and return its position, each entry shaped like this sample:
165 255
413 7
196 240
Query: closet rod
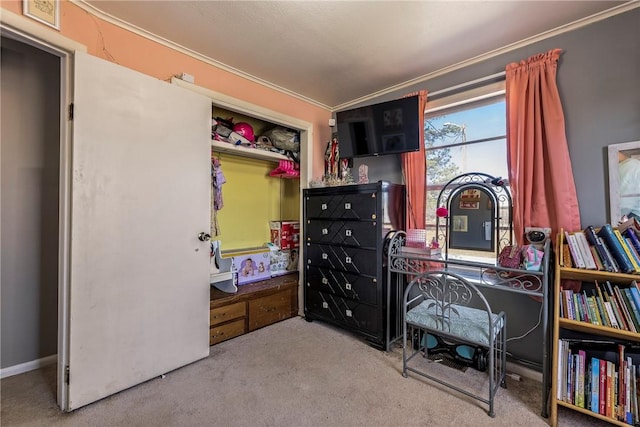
469 83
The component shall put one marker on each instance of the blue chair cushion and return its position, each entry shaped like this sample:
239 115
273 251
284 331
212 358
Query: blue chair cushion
470 324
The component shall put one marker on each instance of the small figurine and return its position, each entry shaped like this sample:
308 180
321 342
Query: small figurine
332 158
363 174
434 243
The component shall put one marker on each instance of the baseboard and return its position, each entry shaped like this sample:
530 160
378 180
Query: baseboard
28 366
523 371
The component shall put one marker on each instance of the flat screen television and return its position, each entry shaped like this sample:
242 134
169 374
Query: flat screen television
386 128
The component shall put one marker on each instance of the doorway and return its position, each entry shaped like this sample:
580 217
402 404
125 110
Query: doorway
29 206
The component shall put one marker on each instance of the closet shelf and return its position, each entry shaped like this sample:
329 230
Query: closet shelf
238 150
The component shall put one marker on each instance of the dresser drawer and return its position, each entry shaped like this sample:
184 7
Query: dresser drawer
226 313
270 309
356 233
344 312
347 285
226 331
342 206
352 260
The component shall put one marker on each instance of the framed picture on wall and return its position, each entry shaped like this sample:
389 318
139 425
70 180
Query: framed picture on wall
45 11
460 223
624 181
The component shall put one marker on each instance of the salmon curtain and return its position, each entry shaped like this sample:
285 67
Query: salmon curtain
414 171
540 173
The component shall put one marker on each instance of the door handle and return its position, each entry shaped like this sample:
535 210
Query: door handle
203 237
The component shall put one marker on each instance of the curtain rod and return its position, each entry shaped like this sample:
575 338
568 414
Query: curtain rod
463 85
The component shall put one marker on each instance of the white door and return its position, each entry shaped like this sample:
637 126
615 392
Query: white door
139 281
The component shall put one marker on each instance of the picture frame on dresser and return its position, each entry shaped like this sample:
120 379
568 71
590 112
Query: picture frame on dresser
624 175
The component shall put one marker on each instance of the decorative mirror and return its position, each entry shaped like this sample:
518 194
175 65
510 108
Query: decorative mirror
473 218
479 214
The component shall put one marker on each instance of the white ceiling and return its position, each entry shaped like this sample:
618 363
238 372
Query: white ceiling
337 53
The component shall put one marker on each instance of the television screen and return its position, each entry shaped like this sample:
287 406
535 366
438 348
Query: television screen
385 128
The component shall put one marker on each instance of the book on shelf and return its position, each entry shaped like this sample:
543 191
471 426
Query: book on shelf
621 383
609 238
603 304
594 312
604 314
575 250
612 315
599 264
571 377
577 304
632 250
595 242
609 392
630 390
630 234
615 307
583 247
595 385
566 256
566 307
635 293
580 383
614 264
625 310
616 250
561 369
632 304
627 251
601 377
602 410
632 309
634 394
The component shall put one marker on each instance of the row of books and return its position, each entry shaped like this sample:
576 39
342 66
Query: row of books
605 304
602 386
607 249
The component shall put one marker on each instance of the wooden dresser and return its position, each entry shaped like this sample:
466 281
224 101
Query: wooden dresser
254 305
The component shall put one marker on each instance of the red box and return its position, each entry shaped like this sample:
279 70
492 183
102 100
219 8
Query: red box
285 234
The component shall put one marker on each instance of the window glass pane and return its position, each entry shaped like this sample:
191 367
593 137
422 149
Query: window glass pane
487 157
472 123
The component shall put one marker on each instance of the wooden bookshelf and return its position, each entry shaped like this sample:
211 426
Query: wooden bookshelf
561 324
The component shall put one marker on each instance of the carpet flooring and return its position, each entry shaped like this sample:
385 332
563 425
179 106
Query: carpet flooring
293 373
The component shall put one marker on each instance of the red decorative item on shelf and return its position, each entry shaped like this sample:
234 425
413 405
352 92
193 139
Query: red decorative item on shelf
286 169
245 130
510 257
442 212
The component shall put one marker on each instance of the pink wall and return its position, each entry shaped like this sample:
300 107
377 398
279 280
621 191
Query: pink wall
115 44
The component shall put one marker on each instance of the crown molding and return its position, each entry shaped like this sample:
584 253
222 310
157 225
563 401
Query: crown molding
189 52
633 4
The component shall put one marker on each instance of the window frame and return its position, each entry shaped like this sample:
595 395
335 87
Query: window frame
459 101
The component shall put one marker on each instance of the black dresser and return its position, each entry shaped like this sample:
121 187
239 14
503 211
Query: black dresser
344 276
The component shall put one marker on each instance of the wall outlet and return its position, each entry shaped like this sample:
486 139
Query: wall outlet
187 77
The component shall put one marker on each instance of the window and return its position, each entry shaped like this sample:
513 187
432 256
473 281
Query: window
464 133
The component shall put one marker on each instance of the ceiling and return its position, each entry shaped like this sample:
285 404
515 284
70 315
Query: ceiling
336 53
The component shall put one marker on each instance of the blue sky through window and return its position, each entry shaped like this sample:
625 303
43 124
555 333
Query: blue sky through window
481 122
